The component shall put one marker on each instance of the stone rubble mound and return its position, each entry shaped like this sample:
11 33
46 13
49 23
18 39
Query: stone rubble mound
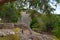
5 32
25 32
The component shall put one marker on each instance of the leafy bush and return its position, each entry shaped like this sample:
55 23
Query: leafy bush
37 24
56 29
8 13
33 23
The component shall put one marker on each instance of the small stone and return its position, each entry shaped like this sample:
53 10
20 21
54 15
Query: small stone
12 32
4 34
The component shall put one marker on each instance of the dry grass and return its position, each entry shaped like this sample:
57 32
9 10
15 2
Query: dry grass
10 37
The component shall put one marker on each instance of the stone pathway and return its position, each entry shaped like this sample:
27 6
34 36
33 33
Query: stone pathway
27 36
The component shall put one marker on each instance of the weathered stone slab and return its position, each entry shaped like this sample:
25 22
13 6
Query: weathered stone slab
6 25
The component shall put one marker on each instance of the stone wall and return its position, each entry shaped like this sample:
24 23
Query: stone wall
6 25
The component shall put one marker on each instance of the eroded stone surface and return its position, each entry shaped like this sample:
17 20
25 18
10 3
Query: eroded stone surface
25 33
5 32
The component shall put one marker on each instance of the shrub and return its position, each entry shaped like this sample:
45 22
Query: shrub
56 30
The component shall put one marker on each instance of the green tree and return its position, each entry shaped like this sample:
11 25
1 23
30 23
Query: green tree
57 26
9 13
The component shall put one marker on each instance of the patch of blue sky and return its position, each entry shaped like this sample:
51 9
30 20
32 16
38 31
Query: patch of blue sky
57 11
52 3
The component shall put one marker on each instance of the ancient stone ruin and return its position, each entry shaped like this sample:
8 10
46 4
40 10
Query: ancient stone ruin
25 33
6 25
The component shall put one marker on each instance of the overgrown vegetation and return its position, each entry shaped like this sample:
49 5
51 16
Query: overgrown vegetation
8 13
10 37
57 27
45 22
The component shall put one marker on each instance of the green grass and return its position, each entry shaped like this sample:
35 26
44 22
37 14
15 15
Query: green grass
56 38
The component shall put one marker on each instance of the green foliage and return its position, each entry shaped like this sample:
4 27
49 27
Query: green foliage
9 13
33 22
56 29
42 5
48 20
42 22
37 24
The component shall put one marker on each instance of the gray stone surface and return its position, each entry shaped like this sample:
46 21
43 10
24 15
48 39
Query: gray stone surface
5 32
24 18
6 25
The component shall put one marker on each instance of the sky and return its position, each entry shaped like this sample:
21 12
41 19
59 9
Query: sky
57 11
52 3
